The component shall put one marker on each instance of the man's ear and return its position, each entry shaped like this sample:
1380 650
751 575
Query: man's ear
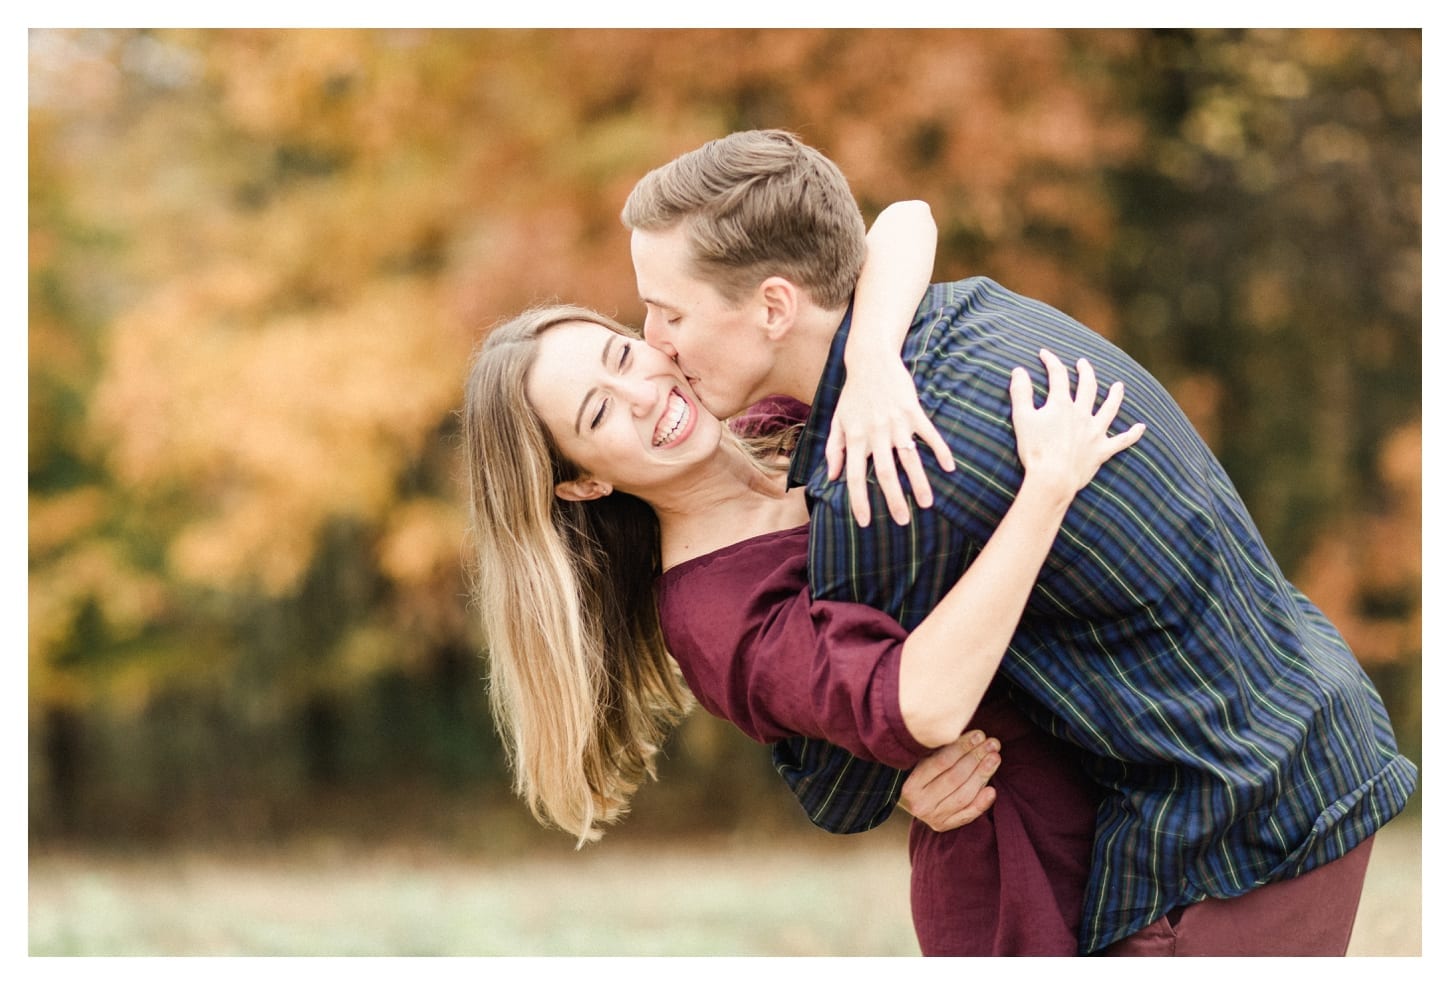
780 301
582 490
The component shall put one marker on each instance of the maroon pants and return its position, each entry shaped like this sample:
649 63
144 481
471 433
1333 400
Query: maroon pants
1312 914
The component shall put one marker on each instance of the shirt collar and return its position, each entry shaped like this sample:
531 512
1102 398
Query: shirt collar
810 449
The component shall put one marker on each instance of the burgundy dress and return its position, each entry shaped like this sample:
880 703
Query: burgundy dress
777 664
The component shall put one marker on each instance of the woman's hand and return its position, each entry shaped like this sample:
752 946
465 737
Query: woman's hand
1064 442
879 417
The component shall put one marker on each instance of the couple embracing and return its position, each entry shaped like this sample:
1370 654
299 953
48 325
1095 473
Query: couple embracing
1184 756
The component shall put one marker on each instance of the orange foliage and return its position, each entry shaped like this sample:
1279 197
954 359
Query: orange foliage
279 425
261 258
1375 554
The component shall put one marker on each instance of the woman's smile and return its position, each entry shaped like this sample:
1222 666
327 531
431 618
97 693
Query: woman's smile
622 413
677 423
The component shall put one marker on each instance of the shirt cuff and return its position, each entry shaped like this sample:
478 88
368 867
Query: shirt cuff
888 697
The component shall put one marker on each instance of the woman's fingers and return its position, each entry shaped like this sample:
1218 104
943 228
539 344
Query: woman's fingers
856 488
884 458
1111 403
943 451
1020 388
1127 439
835 450
1057 382
1087 385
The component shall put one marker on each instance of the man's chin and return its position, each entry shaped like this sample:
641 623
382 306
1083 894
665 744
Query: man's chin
719 410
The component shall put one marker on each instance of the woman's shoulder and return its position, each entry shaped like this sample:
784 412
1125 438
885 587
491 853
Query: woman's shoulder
750 559
709 603
769 416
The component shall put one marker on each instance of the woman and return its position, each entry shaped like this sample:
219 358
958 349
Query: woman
593 471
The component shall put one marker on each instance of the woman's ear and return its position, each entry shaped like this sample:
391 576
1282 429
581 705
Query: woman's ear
582 490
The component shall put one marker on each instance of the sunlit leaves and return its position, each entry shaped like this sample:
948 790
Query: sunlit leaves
259 260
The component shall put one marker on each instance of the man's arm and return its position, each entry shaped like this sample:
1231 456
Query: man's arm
846 795
838 792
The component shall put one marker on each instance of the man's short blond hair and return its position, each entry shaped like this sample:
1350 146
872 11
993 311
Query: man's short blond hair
757 204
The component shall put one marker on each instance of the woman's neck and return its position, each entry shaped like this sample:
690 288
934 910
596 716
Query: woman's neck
727 500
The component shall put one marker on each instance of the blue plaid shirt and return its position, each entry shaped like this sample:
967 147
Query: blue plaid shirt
1235 736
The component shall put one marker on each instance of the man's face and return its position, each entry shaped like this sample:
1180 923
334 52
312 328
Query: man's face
719 346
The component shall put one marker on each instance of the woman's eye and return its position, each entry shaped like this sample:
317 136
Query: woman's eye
598 415
624 354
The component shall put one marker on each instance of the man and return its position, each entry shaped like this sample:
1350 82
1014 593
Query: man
1244 758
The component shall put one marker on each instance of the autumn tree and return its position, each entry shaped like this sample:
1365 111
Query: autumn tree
259 260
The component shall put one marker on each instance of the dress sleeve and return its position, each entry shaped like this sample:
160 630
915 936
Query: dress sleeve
758 652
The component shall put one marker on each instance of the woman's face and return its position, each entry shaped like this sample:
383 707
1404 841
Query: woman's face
618 407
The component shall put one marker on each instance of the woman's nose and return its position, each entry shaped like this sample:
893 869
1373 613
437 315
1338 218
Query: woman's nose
640 394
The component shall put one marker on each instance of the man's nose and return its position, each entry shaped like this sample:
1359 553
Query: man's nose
656 333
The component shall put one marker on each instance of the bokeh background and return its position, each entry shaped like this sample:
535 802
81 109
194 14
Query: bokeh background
259 260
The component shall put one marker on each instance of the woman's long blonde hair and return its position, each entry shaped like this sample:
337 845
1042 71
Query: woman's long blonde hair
582 689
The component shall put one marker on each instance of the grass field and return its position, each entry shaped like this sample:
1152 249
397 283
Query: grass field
845 897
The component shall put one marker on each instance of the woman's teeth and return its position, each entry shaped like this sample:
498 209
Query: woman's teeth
676 412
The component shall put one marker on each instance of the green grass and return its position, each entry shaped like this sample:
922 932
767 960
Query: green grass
620 898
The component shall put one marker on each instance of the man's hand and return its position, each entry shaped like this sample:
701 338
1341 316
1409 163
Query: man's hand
949 788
